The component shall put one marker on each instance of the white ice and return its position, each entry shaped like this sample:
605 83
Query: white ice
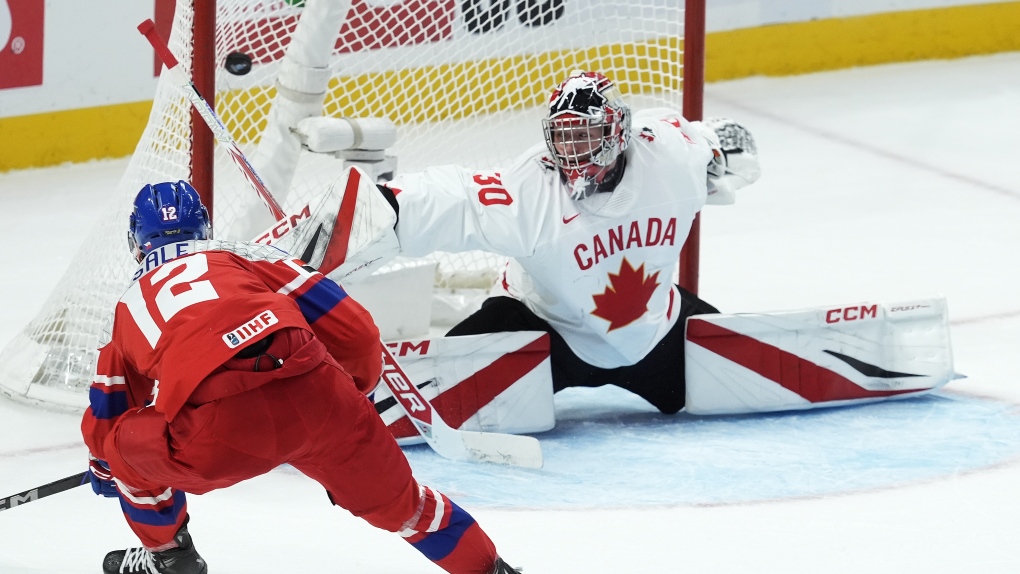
884 183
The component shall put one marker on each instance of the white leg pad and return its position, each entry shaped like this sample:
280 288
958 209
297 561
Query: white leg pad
497 382
822 357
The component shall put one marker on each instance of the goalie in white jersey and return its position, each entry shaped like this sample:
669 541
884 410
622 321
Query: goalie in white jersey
594 221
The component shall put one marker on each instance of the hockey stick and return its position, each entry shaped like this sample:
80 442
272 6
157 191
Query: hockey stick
220 132
43 491
447 441
453 443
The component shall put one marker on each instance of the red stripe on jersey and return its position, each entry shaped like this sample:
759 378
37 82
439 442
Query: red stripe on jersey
809 380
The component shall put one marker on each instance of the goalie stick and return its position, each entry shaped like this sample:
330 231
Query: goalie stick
43 491
447 441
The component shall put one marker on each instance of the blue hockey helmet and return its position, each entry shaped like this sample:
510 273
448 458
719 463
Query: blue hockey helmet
165 213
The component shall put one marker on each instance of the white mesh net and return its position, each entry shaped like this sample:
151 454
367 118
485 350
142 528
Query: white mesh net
464 81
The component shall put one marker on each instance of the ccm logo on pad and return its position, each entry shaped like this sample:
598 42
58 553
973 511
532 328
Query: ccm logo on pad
244 333
854 313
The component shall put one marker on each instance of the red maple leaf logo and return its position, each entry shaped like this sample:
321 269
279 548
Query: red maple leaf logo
626 298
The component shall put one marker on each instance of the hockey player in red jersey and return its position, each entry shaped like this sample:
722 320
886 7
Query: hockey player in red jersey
227 360
594 220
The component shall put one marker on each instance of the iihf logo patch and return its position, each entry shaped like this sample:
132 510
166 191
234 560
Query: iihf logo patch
249 329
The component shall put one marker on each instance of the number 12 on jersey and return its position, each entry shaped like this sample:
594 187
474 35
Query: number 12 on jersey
167 302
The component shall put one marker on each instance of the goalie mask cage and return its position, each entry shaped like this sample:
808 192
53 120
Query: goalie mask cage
464 81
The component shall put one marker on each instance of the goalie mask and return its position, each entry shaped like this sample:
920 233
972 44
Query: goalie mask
166 213
587 130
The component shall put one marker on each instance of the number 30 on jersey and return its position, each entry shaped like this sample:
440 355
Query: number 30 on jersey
491 190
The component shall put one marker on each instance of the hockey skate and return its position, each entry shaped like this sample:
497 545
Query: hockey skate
181 560
502 567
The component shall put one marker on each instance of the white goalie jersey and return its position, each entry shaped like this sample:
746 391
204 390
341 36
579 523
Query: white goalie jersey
598 270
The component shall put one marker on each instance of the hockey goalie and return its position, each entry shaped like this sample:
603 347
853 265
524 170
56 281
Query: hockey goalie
594 219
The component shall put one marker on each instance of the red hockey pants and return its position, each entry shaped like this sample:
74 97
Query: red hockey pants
240 424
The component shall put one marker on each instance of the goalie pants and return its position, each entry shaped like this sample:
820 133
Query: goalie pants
658 377
307 413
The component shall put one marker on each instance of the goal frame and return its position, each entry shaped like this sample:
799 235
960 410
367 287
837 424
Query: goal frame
204 78
51 362
693 104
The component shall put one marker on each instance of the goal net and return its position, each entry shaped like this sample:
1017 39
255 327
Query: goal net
464 82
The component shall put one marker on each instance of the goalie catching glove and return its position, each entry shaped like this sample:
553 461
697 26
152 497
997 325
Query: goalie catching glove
735 162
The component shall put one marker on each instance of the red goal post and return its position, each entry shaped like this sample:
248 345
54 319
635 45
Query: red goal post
693 94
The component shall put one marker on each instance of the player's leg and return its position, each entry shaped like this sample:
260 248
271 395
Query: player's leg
503 314
497 315
224 434
157 514
364 471
691 304
659 376
181 558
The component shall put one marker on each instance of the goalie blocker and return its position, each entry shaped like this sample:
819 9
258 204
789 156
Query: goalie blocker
346 233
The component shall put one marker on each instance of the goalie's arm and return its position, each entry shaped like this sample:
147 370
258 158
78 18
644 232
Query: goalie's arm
733 156
454 209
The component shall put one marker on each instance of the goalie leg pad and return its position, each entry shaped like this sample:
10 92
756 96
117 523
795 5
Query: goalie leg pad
497 382
829 356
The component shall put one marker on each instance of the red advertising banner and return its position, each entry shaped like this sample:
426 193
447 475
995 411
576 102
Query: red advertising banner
21 43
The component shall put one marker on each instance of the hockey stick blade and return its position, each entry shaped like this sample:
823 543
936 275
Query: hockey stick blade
448 442
452 443
501 448
43 491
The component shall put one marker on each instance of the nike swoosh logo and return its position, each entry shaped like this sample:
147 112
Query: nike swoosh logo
567 220
387 404
870 370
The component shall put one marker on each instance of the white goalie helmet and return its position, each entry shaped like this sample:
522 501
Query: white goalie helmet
588 128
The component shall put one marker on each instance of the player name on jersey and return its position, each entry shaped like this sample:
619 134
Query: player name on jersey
161 255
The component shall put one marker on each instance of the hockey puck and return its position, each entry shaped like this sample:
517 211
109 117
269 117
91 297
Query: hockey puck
238 63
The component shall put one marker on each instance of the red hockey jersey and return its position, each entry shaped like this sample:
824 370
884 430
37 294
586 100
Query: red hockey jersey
193 305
